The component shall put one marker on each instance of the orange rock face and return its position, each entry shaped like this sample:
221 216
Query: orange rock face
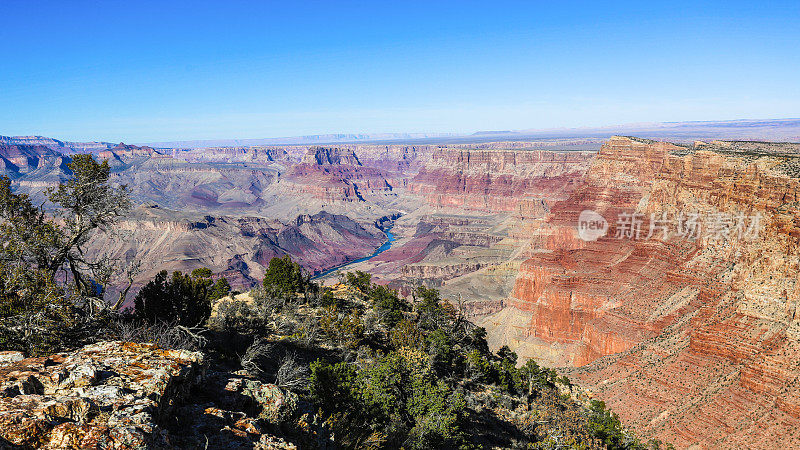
691 341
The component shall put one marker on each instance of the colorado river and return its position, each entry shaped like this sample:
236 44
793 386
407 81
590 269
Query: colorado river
386 246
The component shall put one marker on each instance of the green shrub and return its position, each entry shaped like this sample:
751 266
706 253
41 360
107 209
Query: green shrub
287 278
605 425
406 334
184 299
359 280
442 353
388 304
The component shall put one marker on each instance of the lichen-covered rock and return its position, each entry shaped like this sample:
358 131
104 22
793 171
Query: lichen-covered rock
106 395
8 357
274 403
233 411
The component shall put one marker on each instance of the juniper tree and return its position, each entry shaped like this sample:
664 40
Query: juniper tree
48 285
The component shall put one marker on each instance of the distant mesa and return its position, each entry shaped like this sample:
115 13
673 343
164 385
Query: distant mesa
485 133
331 156
123 150
57 145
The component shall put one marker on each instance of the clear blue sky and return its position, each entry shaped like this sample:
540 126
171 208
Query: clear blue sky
143 71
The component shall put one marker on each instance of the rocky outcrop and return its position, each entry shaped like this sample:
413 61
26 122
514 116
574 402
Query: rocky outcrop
107 395
126 395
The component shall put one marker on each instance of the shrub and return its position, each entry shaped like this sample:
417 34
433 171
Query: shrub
41 309
185 299
291 374
433 314
389 305
605 425
287 278
232 315
328 299
476 339
359 280
251 360
479 368
162 334
404 393
341 327
332 385
406 334
443 355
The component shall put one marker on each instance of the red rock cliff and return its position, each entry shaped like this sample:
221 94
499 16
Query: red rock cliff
691 341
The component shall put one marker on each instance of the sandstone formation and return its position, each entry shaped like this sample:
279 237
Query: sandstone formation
691 340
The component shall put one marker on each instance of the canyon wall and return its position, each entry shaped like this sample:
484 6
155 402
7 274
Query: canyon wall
238 248
497 180
692 340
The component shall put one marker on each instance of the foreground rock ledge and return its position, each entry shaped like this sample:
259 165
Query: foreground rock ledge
106 395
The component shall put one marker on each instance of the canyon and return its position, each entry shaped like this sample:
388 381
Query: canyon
690 339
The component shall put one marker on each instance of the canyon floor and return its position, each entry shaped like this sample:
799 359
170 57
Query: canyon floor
692 339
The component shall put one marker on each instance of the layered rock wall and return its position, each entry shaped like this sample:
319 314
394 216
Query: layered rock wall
690 340
497 180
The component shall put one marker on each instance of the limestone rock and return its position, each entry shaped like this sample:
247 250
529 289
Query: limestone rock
106 395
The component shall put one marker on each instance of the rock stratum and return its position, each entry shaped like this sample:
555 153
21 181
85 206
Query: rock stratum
693 341
497 180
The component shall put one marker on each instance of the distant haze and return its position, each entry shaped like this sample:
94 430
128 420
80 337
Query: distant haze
769 130
779 130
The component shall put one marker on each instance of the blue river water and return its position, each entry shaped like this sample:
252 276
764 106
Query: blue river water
386 246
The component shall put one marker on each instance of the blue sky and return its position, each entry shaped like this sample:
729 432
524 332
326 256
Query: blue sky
139 71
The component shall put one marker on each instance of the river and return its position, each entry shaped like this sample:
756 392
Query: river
386 246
